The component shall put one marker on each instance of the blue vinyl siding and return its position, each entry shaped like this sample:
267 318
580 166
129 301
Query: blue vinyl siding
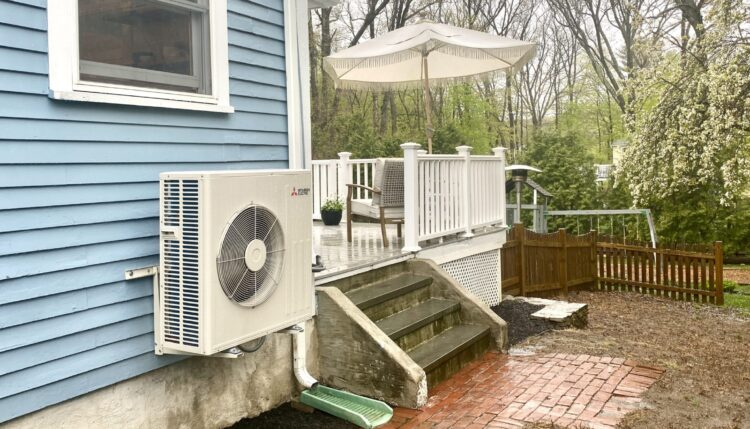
79 203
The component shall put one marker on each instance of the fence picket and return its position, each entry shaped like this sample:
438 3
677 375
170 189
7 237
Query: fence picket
719 255
713 276
610 272
629 267
695 268
704 283
651 279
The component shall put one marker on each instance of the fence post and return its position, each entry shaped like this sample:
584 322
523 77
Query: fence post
500 153
563 260
465 152
594 259
719 266
411 198
522 259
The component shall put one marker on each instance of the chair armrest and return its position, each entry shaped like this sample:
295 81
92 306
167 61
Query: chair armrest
373 190
350 192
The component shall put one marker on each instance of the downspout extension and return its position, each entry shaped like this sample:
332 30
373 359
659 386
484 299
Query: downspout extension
364 412
300 358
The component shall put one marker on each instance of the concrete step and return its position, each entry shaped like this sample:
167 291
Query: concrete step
385 290
445 354
387 297
421 322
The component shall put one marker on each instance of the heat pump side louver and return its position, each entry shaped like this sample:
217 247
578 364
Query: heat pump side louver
180 263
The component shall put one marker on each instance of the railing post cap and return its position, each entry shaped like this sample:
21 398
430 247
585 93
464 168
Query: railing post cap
499 150
344 154
422 152
464 149
410 146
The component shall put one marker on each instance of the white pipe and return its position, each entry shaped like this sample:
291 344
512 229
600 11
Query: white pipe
300 353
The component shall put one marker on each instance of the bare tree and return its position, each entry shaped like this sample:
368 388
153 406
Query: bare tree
608 31
538 81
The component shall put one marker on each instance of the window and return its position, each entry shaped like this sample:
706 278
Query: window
164 53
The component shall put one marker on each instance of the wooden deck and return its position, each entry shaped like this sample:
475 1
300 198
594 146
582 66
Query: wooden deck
365 251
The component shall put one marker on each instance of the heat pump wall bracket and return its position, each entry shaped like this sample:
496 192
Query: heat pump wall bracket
153 271
139 273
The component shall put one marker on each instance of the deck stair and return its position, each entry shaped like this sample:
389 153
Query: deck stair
429 328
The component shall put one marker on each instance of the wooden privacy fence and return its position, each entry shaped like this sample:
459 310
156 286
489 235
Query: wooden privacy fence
553 264
547 264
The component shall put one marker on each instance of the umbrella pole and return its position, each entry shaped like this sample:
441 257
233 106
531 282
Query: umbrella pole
427 107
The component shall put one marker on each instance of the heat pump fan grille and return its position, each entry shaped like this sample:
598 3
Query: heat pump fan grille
251 256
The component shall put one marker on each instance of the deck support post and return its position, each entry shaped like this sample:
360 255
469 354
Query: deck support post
465 152
411 197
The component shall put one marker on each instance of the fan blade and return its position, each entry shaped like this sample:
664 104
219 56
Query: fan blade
239 282
230 272
275 221
233 246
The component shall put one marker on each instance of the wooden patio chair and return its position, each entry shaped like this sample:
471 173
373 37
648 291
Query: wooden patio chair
387 203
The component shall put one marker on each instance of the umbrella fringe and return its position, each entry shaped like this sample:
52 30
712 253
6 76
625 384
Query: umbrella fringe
457 51
416 84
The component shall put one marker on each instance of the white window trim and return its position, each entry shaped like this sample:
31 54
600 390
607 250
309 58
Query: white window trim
62 24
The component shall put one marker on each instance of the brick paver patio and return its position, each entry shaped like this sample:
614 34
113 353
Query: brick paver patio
500 391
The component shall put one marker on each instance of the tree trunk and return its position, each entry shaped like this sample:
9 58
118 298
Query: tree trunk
313 47
511 117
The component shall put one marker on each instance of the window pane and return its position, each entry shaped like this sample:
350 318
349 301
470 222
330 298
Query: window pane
143 43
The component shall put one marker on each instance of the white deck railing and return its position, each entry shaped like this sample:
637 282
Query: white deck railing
439 187
330 177
443 194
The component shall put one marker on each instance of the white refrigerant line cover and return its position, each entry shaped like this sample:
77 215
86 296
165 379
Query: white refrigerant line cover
235 258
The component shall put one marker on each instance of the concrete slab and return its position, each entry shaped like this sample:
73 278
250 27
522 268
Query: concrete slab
563 312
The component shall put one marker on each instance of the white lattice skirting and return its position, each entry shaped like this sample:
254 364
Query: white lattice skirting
479 274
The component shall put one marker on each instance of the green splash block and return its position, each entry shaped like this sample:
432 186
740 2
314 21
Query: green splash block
364 412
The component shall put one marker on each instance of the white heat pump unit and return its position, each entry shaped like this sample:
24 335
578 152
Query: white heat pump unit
235 258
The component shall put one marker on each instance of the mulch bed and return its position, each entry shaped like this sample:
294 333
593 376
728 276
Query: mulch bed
286 417
517 314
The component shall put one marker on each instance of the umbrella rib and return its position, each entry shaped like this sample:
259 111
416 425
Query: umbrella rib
495 57
427 53
353 67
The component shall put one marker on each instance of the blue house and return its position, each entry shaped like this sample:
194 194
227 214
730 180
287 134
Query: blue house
97 97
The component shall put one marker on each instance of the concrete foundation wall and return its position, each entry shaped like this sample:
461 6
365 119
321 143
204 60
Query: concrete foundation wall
199 392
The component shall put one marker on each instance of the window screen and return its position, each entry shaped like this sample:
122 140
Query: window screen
159 44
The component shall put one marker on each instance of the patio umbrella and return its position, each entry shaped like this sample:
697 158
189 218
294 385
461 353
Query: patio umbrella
425 53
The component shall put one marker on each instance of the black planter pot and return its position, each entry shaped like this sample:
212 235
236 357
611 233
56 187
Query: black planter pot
331 218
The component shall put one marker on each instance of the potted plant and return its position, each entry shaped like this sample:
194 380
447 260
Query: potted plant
331 211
